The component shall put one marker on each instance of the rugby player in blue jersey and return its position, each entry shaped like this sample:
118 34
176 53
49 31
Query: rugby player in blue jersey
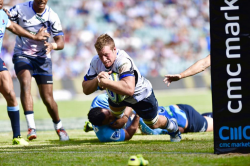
6 84
139 91
32 59
188 119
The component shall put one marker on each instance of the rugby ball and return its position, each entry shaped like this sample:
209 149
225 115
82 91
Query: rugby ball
112 95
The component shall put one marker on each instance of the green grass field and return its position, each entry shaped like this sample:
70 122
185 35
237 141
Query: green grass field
85 149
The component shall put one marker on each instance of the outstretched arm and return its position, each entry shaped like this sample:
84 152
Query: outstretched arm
198 67
18 30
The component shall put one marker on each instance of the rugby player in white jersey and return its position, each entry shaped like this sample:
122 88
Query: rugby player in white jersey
6 84
32 59
139 91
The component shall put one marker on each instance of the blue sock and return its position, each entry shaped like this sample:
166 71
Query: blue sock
13 113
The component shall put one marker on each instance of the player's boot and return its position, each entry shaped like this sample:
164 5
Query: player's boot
176 135
63 136
19 141
31 134
87 127
137 160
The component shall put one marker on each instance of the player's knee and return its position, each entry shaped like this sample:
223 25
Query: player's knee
48 100
10 96
152 123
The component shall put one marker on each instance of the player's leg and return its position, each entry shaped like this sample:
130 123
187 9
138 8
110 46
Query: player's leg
7 90
147 109
208 114
46 93
23 69
196 122
210 123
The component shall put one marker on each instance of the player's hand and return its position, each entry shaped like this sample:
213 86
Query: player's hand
104 74
42 34
7 12
170 78
119 123
49 47
101 78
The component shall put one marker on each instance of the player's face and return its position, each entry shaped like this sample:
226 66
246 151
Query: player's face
39 4
1 4
107 56
108 117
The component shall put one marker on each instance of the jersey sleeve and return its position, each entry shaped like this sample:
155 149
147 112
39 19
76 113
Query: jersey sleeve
91 74
55 25
14 14
107 134
125 68
8 23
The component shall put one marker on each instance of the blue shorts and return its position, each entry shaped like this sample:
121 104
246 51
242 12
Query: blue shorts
2 65
196 122
147 108
40 68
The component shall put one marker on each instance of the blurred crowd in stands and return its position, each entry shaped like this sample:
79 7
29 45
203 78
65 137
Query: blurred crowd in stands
162 36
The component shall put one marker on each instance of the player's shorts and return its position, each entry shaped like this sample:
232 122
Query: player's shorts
147 108
2 65
40 68
196 122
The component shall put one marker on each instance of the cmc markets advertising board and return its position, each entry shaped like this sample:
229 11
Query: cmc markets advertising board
230 71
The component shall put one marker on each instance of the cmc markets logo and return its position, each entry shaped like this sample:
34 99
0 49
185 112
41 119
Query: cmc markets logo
234 133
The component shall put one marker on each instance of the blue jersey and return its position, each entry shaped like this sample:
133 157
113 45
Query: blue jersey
4 22
174 112
105 133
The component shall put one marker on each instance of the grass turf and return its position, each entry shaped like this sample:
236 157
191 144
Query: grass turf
85 149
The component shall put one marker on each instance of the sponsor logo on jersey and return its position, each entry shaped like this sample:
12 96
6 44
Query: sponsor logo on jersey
95 129
168 111
40 19
3 22
25 21
116 135
22 57
1 33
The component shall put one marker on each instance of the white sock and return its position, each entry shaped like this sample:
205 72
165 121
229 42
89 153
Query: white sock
58 125
171 126
30 121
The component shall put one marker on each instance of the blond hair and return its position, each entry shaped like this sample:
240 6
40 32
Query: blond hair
104 40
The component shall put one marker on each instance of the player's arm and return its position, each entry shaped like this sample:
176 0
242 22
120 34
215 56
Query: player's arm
57 45
18 30
126 86
198 67
91 80
89 86
119 123
130 131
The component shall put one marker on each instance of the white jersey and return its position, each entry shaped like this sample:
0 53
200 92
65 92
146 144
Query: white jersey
24 15
125 67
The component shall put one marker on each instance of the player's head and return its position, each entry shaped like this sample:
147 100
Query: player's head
1 4
100 116
105 47
39 5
